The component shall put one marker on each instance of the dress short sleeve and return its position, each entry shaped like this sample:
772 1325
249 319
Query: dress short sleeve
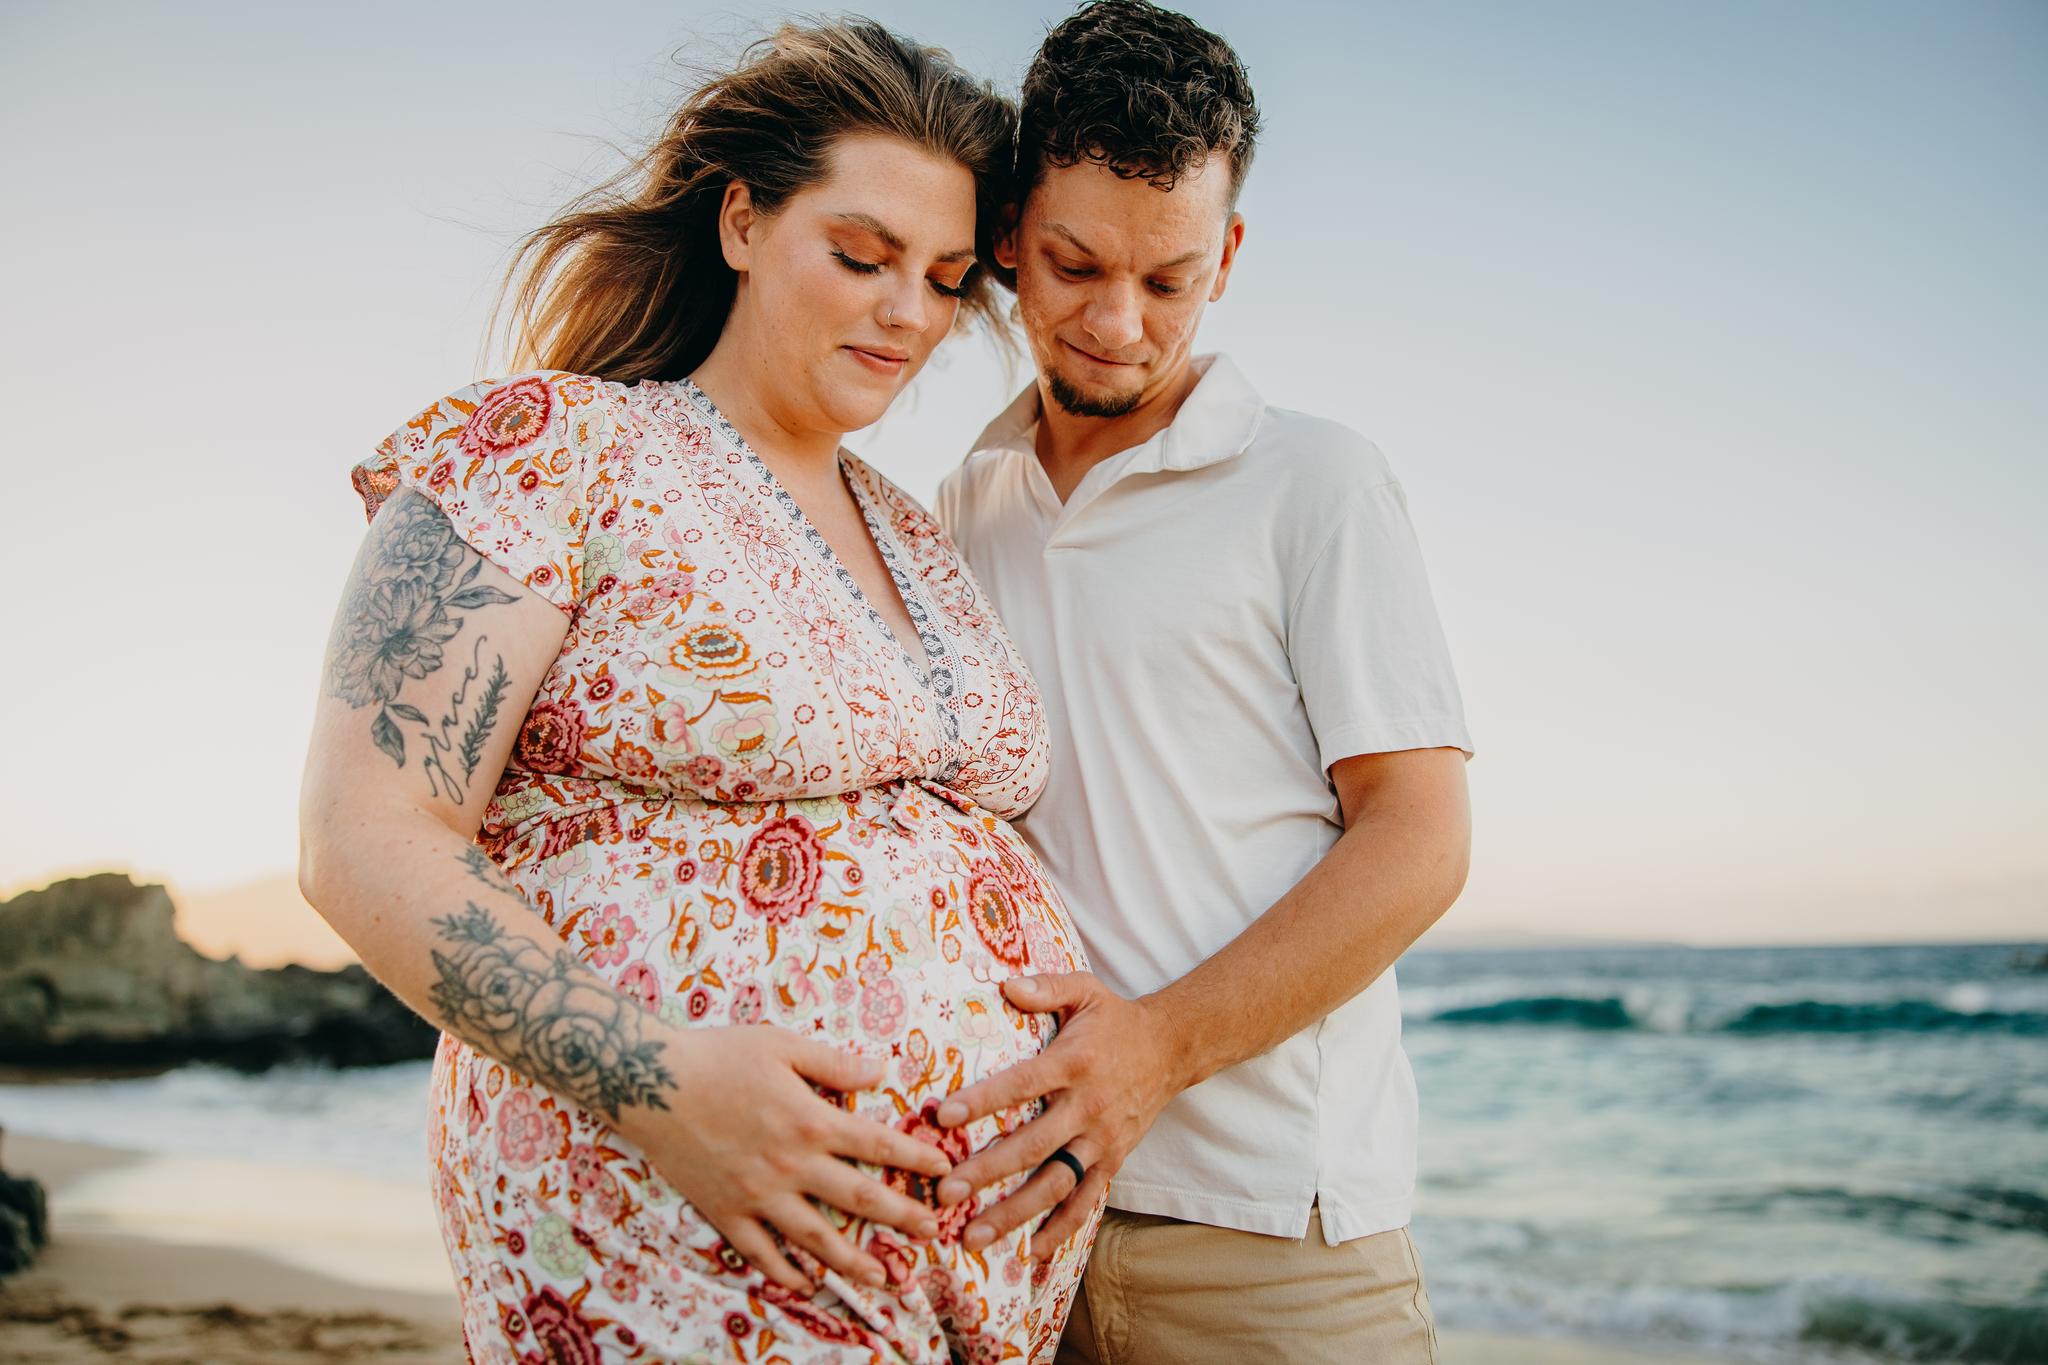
1365 642
510 462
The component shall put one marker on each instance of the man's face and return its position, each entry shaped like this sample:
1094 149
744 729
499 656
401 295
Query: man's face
1112 278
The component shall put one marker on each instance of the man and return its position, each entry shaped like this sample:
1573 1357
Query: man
1258 799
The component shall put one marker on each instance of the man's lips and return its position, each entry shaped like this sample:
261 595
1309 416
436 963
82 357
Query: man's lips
1099 360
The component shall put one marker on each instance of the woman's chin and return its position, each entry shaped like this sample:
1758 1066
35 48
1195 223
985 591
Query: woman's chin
853 408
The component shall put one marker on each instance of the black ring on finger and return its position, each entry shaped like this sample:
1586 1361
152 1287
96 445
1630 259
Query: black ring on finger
1070 1161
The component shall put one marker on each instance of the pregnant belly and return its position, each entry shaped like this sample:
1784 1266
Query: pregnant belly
883 921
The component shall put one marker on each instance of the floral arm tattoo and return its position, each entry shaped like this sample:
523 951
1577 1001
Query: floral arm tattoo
529 1003
413 575
544 1013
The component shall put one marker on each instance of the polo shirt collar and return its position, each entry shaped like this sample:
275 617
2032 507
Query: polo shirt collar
1216 422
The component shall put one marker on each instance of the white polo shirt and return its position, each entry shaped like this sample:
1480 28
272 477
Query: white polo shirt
1215 617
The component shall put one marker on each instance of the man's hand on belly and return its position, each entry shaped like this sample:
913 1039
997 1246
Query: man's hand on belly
1106 1075
1116 1063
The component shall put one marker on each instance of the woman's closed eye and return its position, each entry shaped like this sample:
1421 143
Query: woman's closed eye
860 267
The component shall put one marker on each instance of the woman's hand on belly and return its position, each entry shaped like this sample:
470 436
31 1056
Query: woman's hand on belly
752 1143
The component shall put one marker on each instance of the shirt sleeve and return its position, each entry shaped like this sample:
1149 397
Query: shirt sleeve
1365 642
509 462
946 506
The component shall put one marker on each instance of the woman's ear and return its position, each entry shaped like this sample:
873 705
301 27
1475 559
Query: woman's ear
737 222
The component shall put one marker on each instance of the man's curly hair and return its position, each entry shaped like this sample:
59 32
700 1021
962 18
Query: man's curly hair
1144 91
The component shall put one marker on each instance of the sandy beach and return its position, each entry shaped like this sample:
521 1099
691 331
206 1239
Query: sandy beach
101 1291
146 1263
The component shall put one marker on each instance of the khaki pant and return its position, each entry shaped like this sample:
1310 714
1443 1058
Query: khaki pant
1163 1292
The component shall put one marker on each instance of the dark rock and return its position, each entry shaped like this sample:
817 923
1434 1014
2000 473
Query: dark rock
93 974
24 1221
17 1247
23 1196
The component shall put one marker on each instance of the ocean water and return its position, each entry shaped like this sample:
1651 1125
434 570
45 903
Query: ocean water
1776 1155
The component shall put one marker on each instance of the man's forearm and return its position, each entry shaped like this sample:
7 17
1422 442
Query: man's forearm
1389 877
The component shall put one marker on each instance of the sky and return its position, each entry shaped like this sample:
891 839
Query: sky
1709 341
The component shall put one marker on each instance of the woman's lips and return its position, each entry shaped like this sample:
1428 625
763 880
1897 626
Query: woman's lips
881 362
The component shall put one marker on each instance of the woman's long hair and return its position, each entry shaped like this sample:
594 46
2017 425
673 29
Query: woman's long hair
630 283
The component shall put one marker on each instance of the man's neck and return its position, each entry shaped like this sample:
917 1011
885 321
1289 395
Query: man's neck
1069 446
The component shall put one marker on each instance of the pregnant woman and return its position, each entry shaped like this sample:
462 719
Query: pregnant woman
665 749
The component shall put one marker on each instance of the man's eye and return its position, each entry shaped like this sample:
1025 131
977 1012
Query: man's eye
1164 290
858 267
1072 272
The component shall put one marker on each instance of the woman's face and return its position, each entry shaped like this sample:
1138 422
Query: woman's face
844 292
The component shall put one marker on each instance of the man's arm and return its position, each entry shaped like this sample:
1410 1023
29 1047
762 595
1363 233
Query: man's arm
1116 1063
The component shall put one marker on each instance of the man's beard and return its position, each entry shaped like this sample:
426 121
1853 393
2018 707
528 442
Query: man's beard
1079 404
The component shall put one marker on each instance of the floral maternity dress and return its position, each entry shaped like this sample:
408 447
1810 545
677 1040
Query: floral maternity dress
740 799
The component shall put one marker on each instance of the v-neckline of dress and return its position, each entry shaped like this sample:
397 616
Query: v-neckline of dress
934 673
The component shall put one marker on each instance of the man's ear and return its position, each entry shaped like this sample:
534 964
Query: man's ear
737 223
1005 244
1233 237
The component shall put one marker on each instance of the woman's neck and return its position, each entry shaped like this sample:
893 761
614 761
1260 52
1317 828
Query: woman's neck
747 393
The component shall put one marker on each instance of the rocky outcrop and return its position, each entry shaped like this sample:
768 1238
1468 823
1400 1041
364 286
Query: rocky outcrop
93 974
24 1221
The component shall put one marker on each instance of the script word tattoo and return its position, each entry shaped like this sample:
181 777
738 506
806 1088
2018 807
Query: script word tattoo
396 620
546 1015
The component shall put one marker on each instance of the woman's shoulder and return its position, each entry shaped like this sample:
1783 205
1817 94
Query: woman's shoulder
539 422
530 432
510 463
495 417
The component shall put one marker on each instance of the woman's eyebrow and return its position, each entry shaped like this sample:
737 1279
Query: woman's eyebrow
869 223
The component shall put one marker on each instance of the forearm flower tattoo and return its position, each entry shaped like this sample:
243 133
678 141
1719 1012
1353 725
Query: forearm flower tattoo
546 1014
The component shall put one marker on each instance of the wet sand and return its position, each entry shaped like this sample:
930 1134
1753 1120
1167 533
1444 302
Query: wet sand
97 1292
307 1288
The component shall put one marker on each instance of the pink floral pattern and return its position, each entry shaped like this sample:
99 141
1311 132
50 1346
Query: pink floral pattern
780 869
510 416
740 799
